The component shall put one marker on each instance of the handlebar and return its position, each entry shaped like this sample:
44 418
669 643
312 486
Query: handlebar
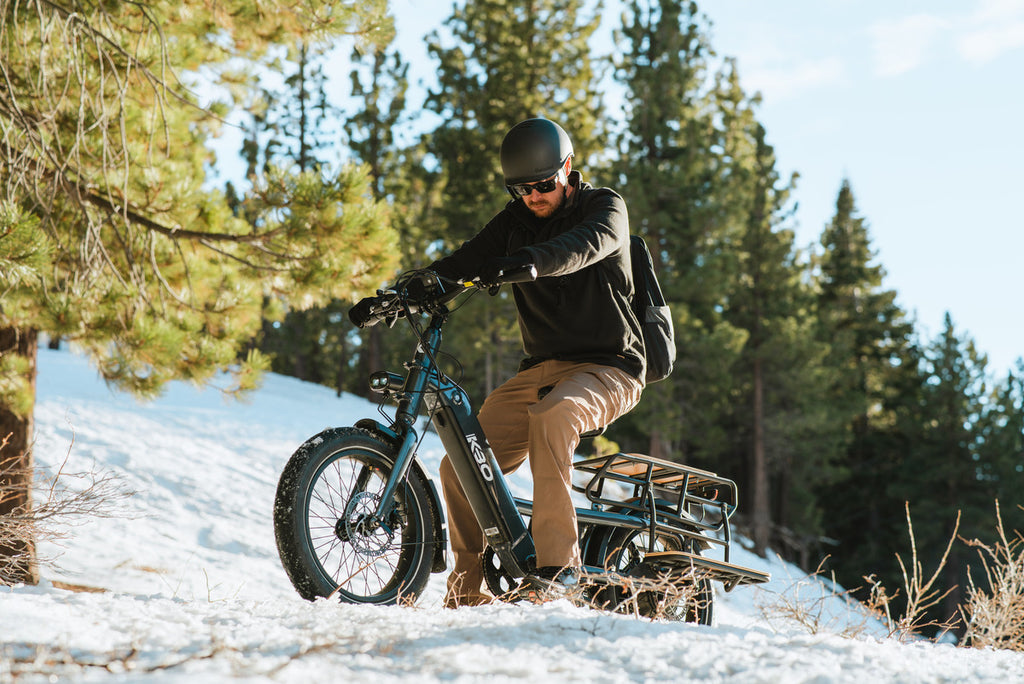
396 301
526 273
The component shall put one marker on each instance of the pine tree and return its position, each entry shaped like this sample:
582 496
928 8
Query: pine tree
151 273
869 342
509 61
1002 446
787 434
940 474
288 129
861 321
379 84
296 126
932 436
946 446
760 301
702 187
672 178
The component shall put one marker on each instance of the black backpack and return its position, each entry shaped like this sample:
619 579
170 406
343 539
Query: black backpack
652 312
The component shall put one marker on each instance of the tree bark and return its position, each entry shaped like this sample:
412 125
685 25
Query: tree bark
660 446
16 461
762 512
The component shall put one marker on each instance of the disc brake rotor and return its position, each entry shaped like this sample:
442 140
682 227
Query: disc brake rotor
358 528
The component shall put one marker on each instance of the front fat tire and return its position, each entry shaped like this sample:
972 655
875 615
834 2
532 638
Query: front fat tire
328 483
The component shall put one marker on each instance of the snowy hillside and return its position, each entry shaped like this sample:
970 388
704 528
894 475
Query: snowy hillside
193 590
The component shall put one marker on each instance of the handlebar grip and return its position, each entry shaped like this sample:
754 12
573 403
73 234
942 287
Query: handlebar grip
382 308
526 273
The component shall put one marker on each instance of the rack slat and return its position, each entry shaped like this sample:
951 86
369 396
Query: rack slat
729 574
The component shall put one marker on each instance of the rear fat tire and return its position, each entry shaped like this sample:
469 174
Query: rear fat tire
624 553
328 486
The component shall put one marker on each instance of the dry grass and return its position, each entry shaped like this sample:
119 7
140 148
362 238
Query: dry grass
665 596
995 619
39 662
806 603
921 594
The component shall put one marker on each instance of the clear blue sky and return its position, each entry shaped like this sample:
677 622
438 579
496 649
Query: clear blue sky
918 103
921 105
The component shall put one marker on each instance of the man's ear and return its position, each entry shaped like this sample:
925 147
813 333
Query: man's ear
566 168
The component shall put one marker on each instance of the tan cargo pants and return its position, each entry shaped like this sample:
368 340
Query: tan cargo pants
518 425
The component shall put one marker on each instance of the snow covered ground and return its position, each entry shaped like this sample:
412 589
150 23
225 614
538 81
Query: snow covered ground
193 589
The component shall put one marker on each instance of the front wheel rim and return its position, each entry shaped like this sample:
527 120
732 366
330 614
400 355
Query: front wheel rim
360 559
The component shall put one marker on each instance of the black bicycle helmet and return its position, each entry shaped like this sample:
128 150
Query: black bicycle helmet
533 150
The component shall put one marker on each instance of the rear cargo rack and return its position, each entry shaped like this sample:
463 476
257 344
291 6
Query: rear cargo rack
675 498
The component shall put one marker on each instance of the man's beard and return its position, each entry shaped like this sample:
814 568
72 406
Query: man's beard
545 207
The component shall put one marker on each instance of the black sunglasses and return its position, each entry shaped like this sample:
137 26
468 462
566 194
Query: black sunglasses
524 189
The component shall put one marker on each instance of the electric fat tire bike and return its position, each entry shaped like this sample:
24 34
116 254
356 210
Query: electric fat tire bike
356 516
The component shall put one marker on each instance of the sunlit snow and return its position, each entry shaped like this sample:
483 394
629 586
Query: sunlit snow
193 590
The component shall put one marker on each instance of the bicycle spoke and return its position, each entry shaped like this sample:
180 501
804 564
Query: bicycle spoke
365 563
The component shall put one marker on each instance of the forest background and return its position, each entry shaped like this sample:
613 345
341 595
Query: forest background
799 374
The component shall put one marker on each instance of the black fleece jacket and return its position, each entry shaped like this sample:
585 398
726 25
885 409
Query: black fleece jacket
578 309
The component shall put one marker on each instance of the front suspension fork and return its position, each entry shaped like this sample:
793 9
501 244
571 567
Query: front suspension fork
398 474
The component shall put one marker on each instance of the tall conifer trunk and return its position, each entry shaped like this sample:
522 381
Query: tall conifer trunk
16 461
761 513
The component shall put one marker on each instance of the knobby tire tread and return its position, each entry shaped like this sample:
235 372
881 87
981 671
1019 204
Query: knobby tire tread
297 553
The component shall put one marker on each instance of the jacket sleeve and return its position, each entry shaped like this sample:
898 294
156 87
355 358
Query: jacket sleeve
465 262
602 231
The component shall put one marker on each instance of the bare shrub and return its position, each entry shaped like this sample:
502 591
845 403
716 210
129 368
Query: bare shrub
995 619
921 594
806 604
671 595
666 596
61 501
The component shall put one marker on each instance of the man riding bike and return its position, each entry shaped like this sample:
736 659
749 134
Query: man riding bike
584 364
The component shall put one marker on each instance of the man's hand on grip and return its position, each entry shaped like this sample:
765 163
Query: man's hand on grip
495 267
360 313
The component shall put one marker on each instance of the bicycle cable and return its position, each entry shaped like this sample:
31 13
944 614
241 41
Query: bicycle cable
418 332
